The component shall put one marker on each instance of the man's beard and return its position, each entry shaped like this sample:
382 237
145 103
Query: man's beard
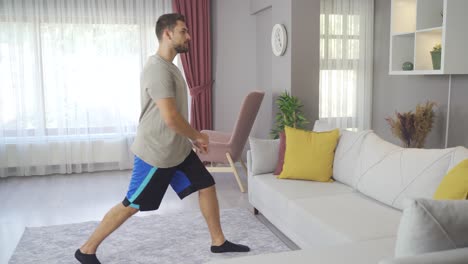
182 48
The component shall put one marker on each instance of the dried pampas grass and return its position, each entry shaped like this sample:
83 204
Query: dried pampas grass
412 128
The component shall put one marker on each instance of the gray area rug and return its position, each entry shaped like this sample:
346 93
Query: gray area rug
177 238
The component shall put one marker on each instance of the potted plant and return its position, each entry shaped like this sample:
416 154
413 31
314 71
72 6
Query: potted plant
436 54
413 128
289 114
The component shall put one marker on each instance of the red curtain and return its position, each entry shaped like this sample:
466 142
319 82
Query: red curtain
197 62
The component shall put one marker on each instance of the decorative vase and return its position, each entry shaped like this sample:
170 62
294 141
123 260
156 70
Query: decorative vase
407 66
435 59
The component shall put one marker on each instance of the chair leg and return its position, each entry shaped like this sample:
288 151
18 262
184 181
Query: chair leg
234 170
245 167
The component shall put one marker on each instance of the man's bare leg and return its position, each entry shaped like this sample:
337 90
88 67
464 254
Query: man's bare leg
210 210
111 221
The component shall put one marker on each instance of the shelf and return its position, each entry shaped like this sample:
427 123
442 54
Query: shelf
425 41
403 16
417 72
402 50
430 29
429 14
418 25
403 33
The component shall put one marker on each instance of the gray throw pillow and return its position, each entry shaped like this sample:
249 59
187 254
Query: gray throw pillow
264 155
432 225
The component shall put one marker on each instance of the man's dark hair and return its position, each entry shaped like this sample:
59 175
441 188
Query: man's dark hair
168 21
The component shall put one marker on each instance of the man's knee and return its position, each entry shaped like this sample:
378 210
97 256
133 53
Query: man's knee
130 210
210 189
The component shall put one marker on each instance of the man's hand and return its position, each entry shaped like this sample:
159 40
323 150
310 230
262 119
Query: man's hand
201 143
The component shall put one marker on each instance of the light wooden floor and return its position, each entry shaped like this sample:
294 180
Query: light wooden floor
62 199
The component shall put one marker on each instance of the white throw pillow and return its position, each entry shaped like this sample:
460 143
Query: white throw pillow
346 154
264 155
432 225
390 174
322 126
460 154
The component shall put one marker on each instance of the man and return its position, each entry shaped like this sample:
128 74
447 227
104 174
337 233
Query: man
163 151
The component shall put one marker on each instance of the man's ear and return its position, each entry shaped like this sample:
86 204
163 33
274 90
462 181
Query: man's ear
167 33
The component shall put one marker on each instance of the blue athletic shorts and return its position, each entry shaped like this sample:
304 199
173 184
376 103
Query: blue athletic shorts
149 184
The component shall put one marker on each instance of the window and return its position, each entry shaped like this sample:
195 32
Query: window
73 70
70 82
339 57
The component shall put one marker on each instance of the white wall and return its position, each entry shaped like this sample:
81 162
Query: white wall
263 69
234 59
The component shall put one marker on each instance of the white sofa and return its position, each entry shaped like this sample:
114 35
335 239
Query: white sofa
354 219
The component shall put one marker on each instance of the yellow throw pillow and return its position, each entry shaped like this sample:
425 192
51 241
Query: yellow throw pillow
454 185
309 155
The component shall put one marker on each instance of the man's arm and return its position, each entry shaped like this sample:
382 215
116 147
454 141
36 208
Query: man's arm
177 122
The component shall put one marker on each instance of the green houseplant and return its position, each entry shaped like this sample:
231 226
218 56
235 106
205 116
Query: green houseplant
435 55
289 114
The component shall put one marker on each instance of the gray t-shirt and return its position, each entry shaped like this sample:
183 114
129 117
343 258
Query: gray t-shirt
155 142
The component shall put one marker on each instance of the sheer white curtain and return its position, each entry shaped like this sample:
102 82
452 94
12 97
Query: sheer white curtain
346 52
69 82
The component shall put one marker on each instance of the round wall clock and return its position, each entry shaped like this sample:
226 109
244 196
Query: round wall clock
279 39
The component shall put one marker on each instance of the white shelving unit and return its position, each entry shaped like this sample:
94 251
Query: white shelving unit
418 25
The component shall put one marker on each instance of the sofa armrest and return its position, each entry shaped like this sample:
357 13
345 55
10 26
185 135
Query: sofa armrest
453 256
249 163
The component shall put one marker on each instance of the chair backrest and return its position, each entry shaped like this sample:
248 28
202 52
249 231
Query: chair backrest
245 121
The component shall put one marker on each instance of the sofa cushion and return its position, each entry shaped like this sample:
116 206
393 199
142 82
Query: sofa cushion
453 256
266 153
389 173
309 155
277 194
344 164
460 154
342 218
366 252
432 225
322 126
